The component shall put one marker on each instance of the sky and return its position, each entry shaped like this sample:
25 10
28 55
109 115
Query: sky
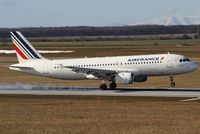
55 13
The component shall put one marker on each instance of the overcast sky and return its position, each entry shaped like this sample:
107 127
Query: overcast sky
24 13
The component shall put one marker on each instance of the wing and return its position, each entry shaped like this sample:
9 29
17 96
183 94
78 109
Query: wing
99 73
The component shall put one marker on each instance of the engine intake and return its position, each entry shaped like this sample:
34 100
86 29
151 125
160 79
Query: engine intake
140 78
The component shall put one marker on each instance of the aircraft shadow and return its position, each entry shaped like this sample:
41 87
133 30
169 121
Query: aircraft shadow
158 89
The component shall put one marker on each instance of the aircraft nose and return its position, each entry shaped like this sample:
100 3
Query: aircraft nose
194 66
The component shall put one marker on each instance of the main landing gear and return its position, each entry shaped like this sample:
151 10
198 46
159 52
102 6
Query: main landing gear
103 86
172 81
113 86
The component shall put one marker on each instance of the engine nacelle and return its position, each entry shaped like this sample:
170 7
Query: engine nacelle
124 78
140 78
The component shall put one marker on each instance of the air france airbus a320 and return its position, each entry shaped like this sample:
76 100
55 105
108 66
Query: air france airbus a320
117 70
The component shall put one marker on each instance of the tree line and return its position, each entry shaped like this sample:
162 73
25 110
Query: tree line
100 31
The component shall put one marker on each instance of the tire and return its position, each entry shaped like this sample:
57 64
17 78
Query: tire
103 86
113 86
173 84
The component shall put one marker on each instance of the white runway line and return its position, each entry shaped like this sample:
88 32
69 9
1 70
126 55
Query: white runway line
8 60
40 51
192 99
149 92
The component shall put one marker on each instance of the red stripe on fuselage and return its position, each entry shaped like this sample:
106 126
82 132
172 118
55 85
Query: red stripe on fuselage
20 52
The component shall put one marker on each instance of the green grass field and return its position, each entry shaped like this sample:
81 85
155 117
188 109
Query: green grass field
191 42
123 43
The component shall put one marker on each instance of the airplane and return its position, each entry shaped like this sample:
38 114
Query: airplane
118 70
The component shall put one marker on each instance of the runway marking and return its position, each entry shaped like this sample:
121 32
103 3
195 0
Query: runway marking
40 51
8 60
193 93
192 99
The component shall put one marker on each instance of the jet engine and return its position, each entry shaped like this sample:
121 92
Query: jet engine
124 78
140 78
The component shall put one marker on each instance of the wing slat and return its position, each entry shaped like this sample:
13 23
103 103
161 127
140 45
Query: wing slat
99 73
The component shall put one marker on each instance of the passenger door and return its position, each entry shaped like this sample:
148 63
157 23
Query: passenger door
169 62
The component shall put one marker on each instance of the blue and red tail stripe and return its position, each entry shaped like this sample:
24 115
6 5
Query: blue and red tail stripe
23 47
20 52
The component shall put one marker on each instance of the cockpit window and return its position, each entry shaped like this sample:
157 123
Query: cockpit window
188 59
184 60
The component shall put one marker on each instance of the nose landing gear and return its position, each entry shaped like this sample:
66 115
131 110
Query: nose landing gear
172 81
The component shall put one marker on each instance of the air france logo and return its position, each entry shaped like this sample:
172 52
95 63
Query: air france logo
162 58
146 59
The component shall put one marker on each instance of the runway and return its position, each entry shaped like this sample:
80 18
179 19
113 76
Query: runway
49 90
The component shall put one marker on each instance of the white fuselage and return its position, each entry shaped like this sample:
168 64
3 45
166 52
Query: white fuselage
141 65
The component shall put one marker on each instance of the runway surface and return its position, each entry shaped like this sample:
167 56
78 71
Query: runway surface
49 90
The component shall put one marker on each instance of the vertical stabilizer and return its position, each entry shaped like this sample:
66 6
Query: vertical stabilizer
24 50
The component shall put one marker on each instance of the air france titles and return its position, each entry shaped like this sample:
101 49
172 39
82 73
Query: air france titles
144 59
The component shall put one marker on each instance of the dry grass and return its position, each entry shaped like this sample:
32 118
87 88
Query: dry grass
20 114
83 114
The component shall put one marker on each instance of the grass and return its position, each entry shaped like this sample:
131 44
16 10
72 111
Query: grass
22 114
192 42
123 43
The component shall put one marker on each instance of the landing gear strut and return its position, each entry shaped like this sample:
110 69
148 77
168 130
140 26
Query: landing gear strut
113 85
172 81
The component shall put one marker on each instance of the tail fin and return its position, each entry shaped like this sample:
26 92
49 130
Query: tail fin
24 50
